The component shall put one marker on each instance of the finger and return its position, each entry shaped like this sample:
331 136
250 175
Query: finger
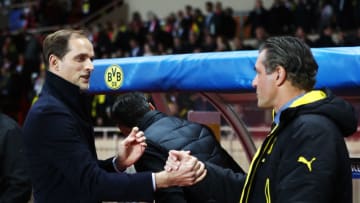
134 130
173 158
142 149
141 140
191 162
140 134
131 137
197 176
127 141
201 177
173 165
187 152
199 169
167 168
174 155
180 155
185 155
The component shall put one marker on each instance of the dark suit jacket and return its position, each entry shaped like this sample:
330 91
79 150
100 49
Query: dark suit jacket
225 177
15 183
60 148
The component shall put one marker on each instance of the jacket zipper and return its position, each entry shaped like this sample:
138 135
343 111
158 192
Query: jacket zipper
267 191
255 163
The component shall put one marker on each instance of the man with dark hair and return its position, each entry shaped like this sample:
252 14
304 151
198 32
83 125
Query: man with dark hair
15 185
164 133
304 158
59 137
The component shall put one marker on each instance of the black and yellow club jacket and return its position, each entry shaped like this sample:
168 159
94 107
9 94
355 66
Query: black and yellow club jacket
304 158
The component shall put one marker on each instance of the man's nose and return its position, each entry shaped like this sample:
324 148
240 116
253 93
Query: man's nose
89 65
254 82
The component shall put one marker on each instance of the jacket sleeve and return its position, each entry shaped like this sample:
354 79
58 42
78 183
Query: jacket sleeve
220 185
17 185
310 162
61 141
107 165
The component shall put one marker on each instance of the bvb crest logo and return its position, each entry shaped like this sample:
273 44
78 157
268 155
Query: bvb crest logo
114 77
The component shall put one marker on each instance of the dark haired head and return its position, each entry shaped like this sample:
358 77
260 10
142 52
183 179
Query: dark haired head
57 43
296 58
129 108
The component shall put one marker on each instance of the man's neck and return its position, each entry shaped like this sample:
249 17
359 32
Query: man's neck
286 94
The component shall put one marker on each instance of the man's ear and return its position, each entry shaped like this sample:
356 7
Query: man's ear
53 63
280 75
152 107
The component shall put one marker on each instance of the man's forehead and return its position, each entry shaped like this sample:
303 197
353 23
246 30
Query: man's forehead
81 45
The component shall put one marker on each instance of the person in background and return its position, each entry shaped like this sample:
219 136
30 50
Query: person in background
59 137
164 133
304 158
258 17
302 35
15 185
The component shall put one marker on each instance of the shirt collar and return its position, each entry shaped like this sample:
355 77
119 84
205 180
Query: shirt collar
285 106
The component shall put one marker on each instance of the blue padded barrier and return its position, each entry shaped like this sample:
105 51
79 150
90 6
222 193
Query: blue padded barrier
339 68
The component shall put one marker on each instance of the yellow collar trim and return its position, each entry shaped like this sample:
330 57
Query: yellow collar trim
312 96
309 97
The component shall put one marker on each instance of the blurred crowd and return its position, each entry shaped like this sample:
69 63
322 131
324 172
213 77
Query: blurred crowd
24 14
215 27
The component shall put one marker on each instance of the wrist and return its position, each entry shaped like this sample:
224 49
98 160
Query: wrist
117 163
162 179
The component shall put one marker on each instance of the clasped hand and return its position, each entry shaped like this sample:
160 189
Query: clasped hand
181 169
184 169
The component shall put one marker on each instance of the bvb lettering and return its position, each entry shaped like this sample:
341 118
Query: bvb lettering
117 76
114 77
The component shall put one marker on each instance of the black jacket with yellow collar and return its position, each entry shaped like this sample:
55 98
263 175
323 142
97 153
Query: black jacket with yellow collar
304 158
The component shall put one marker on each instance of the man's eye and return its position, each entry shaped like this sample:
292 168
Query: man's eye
81 58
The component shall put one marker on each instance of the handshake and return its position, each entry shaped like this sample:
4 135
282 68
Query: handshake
181 168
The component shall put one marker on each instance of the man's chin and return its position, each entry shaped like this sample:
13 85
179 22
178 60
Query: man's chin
84 87
261 105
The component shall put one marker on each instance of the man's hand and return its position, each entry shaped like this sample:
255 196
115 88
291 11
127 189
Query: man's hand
173 161
131 149
188 170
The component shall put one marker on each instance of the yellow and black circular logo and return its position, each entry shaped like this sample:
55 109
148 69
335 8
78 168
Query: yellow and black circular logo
114 77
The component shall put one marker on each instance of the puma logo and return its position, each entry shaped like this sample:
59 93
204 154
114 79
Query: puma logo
306 162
